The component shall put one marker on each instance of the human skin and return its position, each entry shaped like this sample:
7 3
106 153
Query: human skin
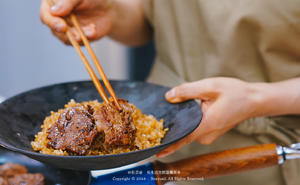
125 22
122 20
227 102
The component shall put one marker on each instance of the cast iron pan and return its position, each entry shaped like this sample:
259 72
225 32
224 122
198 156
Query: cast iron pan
53 176
22 116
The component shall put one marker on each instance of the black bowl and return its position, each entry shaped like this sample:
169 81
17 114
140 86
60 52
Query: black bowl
21 117
52 175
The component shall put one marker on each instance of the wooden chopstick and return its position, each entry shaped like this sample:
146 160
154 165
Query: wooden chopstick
86 63
88 67
95 59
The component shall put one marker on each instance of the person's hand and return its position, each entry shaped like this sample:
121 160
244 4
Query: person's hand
95 17
225 103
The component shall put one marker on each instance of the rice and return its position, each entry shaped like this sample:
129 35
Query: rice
150 132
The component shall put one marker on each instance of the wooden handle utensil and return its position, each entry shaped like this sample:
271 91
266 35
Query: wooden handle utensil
218 163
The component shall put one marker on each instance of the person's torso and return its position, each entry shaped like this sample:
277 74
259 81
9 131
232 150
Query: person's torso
252 40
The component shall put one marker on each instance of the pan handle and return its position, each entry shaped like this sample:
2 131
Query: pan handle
218 163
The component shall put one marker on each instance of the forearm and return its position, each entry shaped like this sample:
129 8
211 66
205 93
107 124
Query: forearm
129 23
280 98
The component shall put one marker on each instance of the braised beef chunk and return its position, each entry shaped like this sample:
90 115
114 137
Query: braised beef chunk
74 131
10 169
16 174
86 127
27 179
117 126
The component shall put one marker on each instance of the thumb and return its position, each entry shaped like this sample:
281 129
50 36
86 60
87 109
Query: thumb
195 90
64 7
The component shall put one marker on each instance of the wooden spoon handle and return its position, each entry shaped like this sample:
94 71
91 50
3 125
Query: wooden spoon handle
218 163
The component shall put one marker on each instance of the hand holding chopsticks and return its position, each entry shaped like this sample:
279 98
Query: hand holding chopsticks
86 63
